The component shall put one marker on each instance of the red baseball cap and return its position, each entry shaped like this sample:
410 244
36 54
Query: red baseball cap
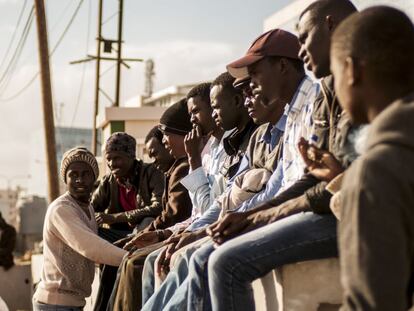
276 42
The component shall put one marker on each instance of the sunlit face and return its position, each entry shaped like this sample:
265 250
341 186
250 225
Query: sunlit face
314 42
346 90
266 86
201 114
80 180
174 143
119 163
157 151
224 105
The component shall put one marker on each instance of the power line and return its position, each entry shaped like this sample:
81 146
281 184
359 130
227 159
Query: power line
22 90
17 52
19 19
84 66
66 28
18 93
62 36
110 17
61 15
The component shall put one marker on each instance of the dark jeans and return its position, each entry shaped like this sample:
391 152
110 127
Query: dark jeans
127 291
38 306
108 273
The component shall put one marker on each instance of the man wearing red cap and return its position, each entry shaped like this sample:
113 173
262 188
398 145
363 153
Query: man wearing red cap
297 224
279 84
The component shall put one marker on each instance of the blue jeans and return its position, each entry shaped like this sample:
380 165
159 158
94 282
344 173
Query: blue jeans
171 288
237 263
38 306
148 275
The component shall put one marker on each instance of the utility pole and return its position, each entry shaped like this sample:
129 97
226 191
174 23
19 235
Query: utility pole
119 61
49 127
98 74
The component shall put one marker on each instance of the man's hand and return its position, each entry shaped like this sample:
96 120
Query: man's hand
175 242
231 226
194 143
142 239
123 241
320 163
188 237
163 262
103 218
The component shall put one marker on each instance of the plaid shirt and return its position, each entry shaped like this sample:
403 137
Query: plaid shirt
298 124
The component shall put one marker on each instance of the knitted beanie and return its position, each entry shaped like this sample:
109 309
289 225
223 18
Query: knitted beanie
176 119
78 154
121 142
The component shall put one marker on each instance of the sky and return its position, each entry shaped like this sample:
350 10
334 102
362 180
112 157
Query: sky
189 41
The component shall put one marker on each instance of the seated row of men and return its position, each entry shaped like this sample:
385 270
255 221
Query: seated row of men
254 163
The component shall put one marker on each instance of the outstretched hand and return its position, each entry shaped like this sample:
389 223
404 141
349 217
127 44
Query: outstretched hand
320 163
141 240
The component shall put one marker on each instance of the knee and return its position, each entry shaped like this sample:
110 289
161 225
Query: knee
219 260
200 258
129 265
150 260
225 261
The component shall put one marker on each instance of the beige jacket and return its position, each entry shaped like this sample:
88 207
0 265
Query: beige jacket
71 247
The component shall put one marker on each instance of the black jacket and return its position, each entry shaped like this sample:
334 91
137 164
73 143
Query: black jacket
149 184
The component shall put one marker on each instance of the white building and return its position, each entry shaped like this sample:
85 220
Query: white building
162 98
287 17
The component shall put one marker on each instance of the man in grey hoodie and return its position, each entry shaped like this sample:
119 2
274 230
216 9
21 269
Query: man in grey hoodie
372 60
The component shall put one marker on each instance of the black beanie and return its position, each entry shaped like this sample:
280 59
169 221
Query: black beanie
176 119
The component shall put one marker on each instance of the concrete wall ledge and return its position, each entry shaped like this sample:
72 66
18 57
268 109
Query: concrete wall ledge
16 286
305 286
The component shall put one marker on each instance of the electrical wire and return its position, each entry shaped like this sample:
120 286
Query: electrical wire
59 41
110 17
19 19
62 14
84 66
107 70
22 90
19 48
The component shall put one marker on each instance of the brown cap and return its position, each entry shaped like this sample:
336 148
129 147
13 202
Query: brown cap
276 42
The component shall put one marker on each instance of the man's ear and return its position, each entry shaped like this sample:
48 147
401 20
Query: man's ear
330 22
353 71
283 65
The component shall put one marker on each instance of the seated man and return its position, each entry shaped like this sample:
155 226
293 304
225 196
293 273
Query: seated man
7 243
296 225
374 80
282 80
130 195
206 178
176 204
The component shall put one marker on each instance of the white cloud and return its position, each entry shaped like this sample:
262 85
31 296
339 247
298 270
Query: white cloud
176 62
179 62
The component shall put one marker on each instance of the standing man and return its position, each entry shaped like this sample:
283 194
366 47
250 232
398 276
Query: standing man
7 244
